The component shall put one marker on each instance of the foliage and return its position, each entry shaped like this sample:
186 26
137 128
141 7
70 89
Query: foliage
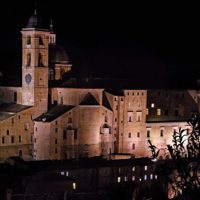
183 170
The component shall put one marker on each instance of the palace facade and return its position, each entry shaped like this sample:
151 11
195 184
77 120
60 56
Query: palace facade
39 122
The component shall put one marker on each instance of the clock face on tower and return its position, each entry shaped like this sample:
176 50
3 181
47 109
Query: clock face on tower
28 78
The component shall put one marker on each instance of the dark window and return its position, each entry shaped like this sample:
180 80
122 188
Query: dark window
129 119
28 40
142 93
129 135
138 93
31 138
56 122
7 132
35 140
106 119
64 134
20 139
121 99
3 140
41 41
56 150
128 93
166 113
19 117
40 63
20 153
138 134
12 139
176 113
161 132
69 120
75 135
28 63
133 146
133 93
15 96
148 133
115 119
115 99
56 130
56 141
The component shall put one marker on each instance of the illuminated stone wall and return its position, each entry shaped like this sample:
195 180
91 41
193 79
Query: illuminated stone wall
16 135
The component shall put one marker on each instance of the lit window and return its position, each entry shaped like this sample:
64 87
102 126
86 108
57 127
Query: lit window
151 176
145 177
152 105
125 178
140 179
74 186
62 173
133 178
158 111
147 111
119 179
133 168
67 173
145 167
156 177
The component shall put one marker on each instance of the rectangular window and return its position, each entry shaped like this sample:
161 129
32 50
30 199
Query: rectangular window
145 167
152 105
64 134
56 141
20 153
147 111
15 97
133 146
56 150
158 111
148 133
7 132
129 135
176 113
3 140
161 132
56 130
75 135
20 139
12 139
138 134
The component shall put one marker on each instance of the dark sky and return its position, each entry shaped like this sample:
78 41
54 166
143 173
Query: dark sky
157 42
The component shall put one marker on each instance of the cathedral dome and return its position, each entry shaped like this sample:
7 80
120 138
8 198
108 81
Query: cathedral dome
34 21
57 54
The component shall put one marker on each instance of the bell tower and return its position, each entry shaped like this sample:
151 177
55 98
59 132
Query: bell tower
35 47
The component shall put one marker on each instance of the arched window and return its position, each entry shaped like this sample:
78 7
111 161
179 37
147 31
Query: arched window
28 64
40 63
28 40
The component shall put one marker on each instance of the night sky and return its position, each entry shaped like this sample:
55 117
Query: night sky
153 43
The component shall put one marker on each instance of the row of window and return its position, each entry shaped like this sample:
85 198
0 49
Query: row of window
12 139
166 112
148 134
28 40
40 60
151 177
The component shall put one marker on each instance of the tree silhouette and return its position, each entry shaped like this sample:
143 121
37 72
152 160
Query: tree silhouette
182 171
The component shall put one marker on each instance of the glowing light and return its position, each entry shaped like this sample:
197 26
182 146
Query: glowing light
74 186
152 105
133 168
67 173
119 179
62 173
156 177
133 178
151 176
140 179
145 167
145 177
